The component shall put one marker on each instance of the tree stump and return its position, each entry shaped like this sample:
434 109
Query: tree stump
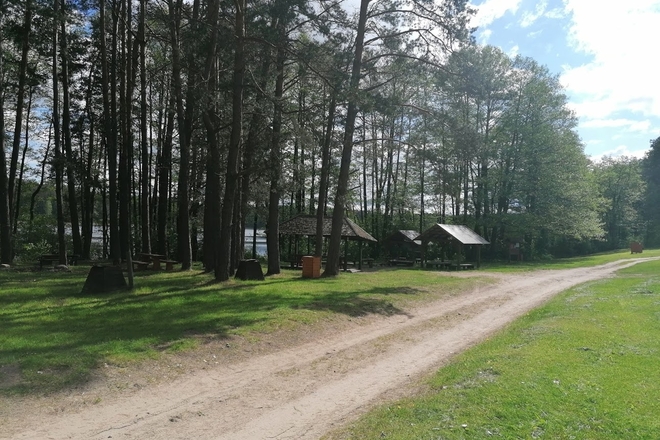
104 279
249 270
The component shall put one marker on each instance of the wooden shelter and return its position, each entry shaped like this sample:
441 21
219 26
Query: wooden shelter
403 242
305 225
455 235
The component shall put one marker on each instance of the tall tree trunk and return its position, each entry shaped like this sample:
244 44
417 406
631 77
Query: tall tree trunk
334 246
164 171
146 175
183 217
325 173
5 225
222 264
58 160
66 128
21 169
273 239
20 98
212 191
108 89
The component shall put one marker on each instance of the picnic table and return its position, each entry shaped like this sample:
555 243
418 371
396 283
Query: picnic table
401 262
438 264
155 259
463 266
49 259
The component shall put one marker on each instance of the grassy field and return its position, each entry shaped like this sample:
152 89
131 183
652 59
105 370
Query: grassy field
585 366
568 263
56 336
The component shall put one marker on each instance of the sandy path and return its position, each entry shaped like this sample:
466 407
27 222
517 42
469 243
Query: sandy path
310 389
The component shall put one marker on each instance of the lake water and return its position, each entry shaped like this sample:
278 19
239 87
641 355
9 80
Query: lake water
261 241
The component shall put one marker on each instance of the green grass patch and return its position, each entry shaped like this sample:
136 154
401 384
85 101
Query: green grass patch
568 263
585 366
52 337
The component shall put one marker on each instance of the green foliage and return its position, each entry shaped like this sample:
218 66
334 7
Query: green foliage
582 367
36 238
651 207
622 188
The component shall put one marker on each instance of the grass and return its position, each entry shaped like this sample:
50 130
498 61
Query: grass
585 366
55 337
569 263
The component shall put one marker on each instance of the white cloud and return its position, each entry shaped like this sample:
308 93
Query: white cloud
621 150
529 18
621 76
484 36
513 51
555 13
491 10
627 124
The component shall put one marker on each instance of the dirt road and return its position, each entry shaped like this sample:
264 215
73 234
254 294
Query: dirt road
308 389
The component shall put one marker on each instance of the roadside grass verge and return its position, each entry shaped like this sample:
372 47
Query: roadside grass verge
584 366
568 263
52 337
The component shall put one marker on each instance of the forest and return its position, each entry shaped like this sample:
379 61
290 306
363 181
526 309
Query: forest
171 126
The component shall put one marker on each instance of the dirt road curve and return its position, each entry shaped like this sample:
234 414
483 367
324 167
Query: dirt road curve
307 390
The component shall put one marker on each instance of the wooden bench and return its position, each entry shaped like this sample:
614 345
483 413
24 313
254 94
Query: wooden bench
369 261
463 266
169 264
438 264
401 262
48 259
140 265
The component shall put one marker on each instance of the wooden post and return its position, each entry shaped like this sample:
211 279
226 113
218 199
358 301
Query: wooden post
360 263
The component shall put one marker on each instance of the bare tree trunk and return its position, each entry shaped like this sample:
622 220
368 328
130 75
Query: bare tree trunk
334 247
58 160
222 264
212 191
66 128
164 171
183 218
273 239
109 89
5 225
144 205
20 98
21 169
325 172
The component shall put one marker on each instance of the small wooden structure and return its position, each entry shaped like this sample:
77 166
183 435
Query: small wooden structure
455 235
403 243
515 249
636 247
305 225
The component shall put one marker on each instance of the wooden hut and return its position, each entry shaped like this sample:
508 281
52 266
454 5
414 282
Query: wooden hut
403 243
305 225
454 235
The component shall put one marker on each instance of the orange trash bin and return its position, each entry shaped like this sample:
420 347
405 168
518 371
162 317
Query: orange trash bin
311 267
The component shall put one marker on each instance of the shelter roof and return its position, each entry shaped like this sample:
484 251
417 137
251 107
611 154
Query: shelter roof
306 225
408 236
460 233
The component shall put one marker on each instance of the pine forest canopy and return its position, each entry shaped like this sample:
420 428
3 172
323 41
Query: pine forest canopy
169 125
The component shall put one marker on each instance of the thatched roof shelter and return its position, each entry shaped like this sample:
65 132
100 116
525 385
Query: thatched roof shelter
408 236
305 225
457 235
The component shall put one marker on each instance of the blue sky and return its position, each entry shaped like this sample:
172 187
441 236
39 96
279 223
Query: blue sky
605 53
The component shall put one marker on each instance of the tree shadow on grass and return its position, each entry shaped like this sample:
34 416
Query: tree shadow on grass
58 336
